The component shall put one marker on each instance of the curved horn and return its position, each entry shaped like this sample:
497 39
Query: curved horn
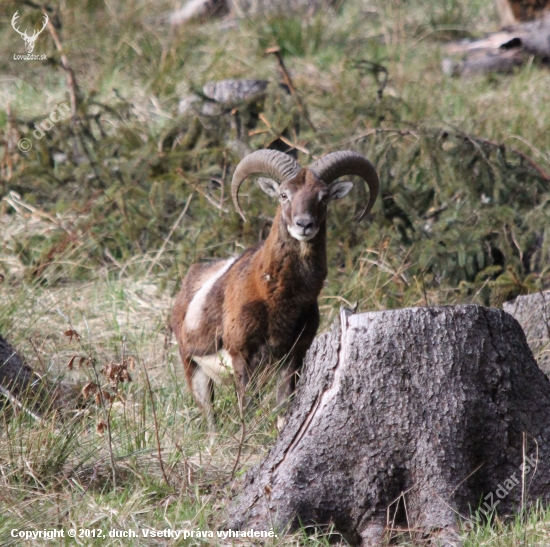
337 164
277 165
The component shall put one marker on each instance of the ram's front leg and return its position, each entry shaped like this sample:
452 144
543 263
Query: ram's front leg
286 384
244 336
287 377
291 366
241 371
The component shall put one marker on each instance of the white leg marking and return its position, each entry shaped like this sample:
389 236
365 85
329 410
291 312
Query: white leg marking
218 366
200 384
193 316
200 389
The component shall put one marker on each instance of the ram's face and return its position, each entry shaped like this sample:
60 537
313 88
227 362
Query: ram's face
304 201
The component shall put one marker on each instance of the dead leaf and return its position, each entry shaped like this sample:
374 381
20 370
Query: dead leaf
125 376
88 389
70 333
70 364
117 372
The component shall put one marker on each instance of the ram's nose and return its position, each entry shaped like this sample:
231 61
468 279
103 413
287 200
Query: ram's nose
305 223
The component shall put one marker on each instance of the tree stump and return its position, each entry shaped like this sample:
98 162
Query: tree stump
32 393
406 418
15 375
532 312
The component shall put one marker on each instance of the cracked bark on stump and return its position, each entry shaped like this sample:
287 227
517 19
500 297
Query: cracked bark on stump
430 404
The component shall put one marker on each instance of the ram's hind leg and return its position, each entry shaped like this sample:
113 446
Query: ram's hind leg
241 371
202 388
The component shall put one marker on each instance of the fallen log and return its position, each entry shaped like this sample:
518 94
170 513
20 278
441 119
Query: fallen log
406 419
199 10
205 9
500 51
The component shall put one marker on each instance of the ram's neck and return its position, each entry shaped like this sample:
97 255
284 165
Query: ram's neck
298 265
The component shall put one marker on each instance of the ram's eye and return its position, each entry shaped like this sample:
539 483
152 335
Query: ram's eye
325 197
284 196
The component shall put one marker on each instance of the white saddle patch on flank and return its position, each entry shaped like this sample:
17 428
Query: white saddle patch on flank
218 366
193 316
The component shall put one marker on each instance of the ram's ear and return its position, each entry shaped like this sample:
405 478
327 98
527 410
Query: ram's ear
269 186
340 189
